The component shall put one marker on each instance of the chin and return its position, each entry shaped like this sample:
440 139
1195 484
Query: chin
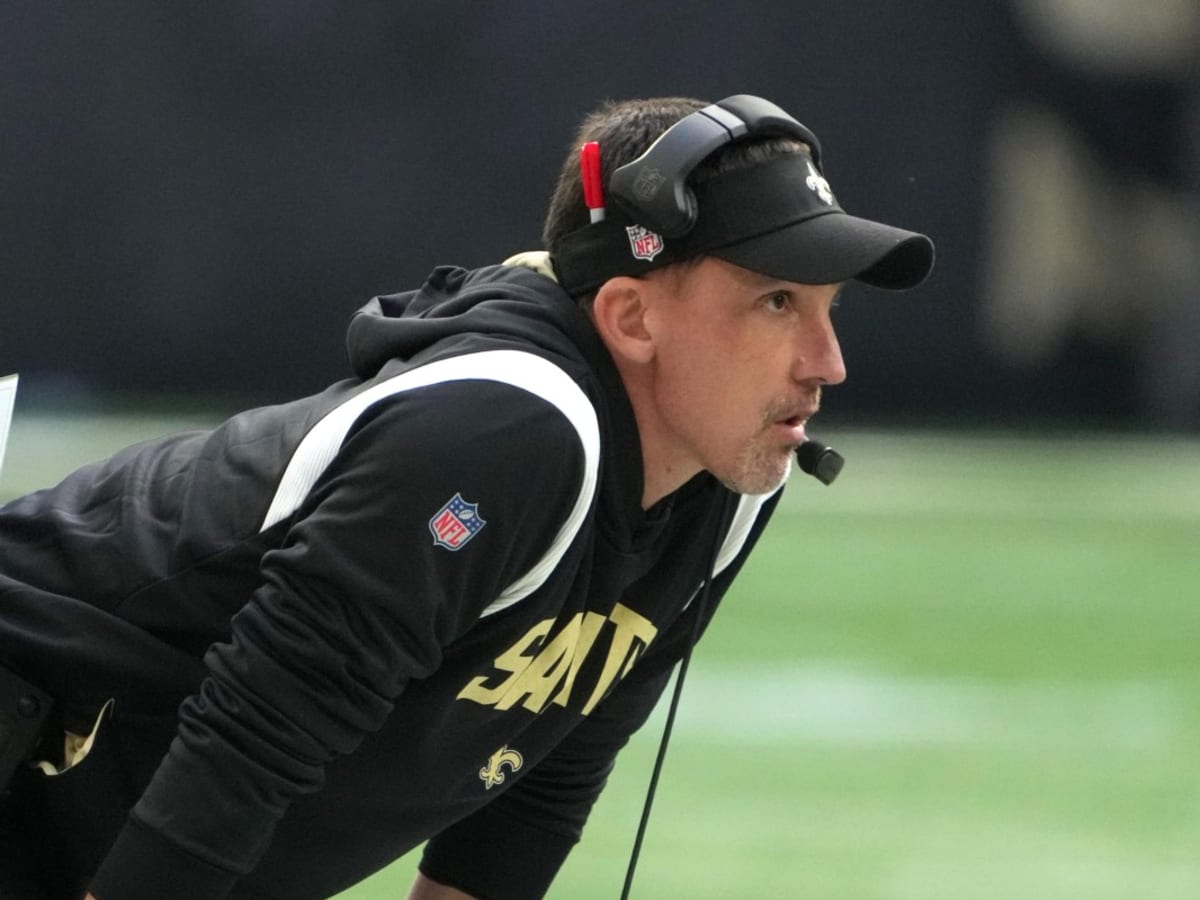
759 475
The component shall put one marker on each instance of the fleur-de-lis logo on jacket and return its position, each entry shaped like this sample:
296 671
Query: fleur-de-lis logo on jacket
493 773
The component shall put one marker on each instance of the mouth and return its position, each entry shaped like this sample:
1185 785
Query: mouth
788 416
794 426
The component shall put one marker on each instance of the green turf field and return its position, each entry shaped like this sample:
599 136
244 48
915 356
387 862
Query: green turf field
969 670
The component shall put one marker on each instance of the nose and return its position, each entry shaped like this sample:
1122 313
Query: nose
819 355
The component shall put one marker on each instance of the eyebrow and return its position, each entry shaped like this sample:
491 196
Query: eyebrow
761 281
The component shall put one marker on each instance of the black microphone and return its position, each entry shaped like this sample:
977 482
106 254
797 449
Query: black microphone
821 462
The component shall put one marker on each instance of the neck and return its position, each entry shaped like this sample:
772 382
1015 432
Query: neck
661 475
664 469
658 488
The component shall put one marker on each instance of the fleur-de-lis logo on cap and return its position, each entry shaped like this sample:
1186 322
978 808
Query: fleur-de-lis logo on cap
816 182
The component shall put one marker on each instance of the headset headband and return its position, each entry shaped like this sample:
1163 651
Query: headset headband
652 189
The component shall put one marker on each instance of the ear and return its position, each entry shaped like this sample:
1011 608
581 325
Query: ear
619 313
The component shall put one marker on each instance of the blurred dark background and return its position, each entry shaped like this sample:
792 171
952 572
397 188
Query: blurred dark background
197 196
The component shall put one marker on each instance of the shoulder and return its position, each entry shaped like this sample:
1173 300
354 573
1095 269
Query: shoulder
509 396
500 417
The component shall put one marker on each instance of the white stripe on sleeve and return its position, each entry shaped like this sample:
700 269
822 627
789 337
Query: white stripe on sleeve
522 370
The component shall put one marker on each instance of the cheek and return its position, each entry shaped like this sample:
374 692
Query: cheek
700 368
721 369
717 389
690 389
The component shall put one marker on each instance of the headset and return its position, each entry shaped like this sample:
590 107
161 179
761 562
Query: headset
653 190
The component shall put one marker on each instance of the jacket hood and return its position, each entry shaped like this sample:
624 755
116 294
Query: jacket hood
497 301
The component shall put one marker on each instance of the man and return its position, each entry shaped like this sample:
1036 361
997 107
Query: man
434 601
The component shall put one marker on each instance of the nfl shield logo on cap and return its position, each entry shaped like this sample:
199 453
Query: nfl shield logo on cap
644 243
455 523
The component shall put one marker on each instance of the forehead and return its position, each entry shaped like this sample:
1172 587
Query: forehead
713 273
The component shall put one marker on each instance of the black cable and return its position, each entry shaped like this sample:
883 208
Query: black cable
824 464
701 608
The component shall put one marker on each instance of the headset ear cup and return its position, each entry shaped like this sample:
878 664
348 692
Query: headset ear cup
652 189
691 206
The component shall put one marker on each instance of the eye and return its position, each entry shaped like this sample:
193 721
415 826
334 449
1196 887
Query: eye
780 301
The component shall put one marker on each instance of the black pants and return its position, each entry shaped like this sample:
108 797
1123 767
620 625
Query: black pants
55 831
28 870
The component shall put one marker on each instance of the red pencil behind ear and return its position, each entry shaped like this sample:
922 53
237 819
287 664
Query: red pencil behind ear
593 184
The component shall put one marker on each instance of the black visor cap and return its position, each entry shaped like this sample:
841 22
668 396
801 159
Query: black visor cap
836 247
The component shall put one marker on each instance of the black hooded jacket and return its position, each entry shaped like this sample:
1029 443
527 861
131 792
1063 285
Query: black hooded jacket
422 604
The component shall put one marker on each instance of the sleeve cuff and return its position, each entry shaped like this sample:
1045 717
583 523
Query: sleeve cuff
494 856
143 865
